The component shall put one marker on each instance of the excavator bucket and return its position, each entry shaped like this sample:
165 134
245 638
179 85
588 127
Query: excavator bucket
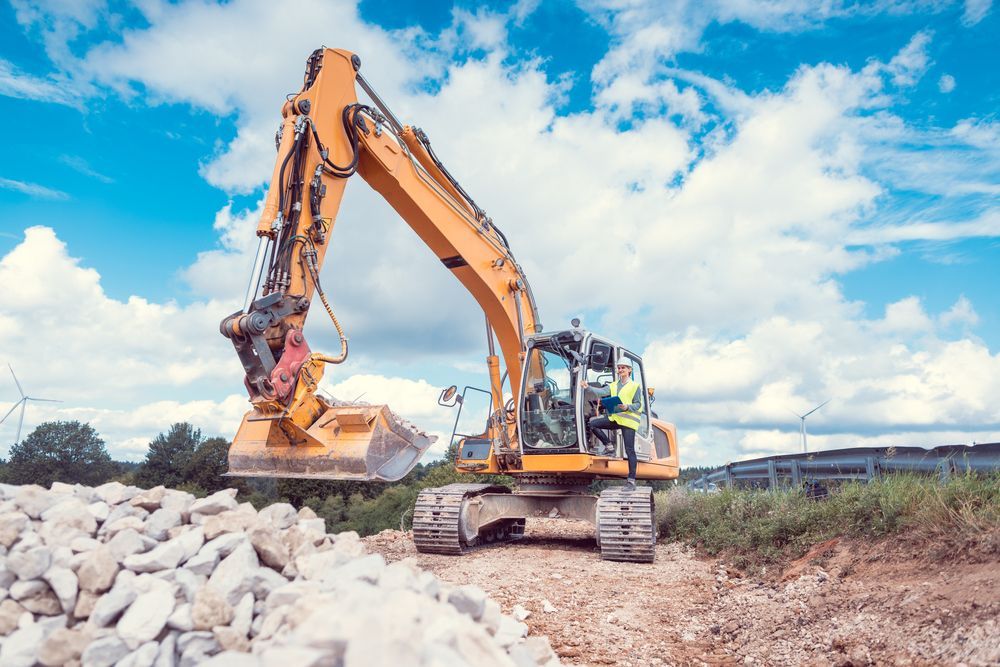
350 442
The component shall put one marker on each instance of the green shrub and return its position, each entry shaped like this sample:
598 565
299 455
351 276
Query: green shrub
755 527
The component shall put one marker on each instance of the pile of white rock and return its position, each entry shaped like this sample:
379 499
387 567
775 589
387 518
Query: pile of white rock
117 575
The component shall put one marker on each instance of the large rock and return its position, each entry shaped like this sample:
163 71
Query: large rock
316 566
181 618
113 603
271 550
209 609
231 640
10 612
33 499
196 646
64 645
114 493
469 600
144 656
215 503
21 647
233 577
25 589
131 522
99 510
168 555
229 521
243 615
12 524
179 501
510 631
29 563
120 512
186 582
105 651
203 562
64 584
81 544
226 544
367 568
146 616
266 580
159 522
165 656
98 571
85 603
279 515
7 578
150 499
126 543
43 601
72 513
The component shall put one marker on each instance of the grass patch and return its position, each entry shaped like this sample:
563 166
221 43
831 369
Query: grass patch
758 527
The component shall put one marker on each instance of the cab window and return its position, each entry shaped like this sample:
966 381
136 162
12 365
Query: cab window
639 377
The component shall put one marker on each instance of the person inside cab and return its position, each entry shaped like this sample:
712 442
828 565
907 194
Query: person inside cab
624 419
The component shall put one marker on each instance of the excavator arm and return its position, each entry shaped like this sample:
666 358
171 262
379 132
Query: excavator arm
326 137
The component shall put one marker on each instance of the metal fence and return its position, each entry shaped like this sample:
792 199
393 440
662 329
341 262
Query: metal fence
862 463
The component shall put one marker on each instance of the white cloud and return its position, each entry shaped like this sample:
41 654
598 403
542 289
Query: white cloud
975 11
32 189
59 23
14 83
960 313
909 65
985 226
77 163
69 340
946 83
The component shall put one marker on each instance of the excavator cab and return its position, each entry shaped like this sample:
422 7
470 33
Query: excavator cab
555 407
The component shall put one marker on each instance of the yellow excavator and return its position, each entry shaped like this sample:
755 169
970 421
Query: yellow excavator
539 436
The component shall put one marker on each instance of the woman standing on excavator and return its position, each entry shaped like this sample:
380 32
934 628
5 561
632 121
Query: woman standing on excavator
626 415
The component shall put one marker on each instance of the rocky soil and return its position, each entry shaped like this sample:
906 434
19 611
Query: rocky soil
116 575
844 603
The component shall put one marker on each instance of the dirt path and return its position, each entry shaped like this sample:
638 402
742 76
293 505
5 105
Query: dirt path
843 604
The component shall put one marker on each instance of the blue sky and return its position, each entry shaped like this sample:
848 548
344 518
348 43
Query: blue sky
777 171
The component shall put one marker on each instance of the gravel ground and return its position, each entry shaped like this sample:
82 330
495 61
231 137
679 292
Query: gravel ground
844 603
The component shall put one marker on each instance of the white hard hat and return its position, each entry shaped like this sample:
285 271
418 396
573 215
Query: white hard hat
624 361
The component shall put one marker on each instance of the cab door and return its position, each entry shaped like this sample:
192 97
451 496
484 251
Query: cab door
643 436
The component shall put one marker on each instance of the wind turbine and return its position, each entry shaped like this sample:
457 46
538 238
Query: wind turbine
23 403
802 420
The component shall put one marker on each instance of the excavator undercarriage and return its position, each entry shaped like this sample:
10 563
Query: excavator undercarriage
458 518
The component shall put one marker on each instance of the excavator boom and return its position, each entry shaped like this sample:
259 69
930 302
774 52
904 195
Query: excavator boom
327 136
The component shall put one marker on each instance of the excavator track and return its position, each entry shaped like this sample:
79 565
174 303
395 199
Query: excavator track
437 518
625 529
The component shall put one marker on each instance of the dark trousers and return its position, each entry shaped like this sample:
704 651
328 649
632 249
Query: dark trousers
628 435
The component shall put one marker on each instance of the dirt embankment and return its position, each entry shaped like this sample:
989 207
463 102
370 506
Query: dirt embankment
845 603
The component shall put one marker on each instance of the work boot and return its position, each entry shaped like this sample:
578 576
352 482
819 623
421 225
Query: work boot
630 485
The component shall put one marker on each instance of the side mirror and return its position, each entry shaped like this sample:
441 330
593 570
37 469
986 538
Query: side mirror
449 397
649 391
600 356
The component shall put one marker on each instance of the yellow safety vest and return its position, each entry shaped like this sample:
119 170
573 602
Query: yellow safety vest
628 418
